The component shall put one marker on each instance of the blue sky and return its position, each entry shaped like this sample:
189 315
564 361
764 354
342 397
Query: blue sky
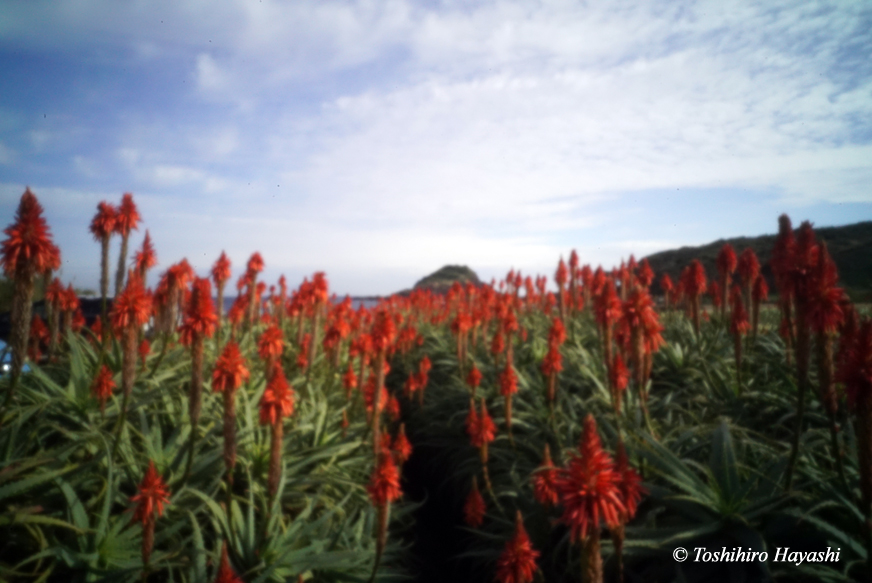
378 141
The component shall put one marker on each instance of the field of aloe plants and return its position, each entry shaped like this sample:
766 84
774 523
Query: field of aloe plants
582 434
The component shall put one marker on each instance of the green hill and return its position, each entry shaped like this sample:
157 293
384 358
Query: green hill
850 247
441 280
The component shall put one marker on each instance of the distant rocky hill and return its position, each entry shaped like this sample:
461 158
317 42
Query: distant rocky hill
850 247
441 280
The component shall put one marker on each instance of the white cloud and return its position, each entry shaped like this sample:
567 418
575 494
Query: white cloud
473 132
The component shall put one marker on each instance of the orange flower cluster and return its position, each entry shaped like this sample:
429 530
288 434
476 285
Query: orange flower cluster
278 398
517 564
230 369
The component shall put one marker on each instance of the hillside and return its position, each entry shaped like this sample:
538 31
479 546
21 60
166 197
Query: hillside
849 245
441 280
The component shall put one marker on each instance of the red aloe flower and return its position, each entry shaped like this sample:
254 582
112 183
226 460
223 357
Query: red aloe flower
144 350
28 247
270 344
384 331
726 262
474 508
230 369
220 274
589 487
759 294
401 447
824 297
668 288
229 374
472 423
200 319
645 275
508 381
517 564
128 217
349 380
153 494
27 250
255 263
132 308
630 484
199 324
38 337
545 481
103 223
384 484
226 574
126 220
276 403
484 428
473 379
146 258
103 386
694 281
619 378
739 325
278 398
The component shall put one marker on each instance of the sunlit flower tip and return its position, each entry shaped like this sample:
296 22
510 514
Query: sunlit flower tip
384 484
133 306
255 263
128 216
103 223
474 508
630 483
589 486
200 318
401 446
545 481
153 494
221 270
517 564
226 574
230 369
28 245
277 401
473 379
270 344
